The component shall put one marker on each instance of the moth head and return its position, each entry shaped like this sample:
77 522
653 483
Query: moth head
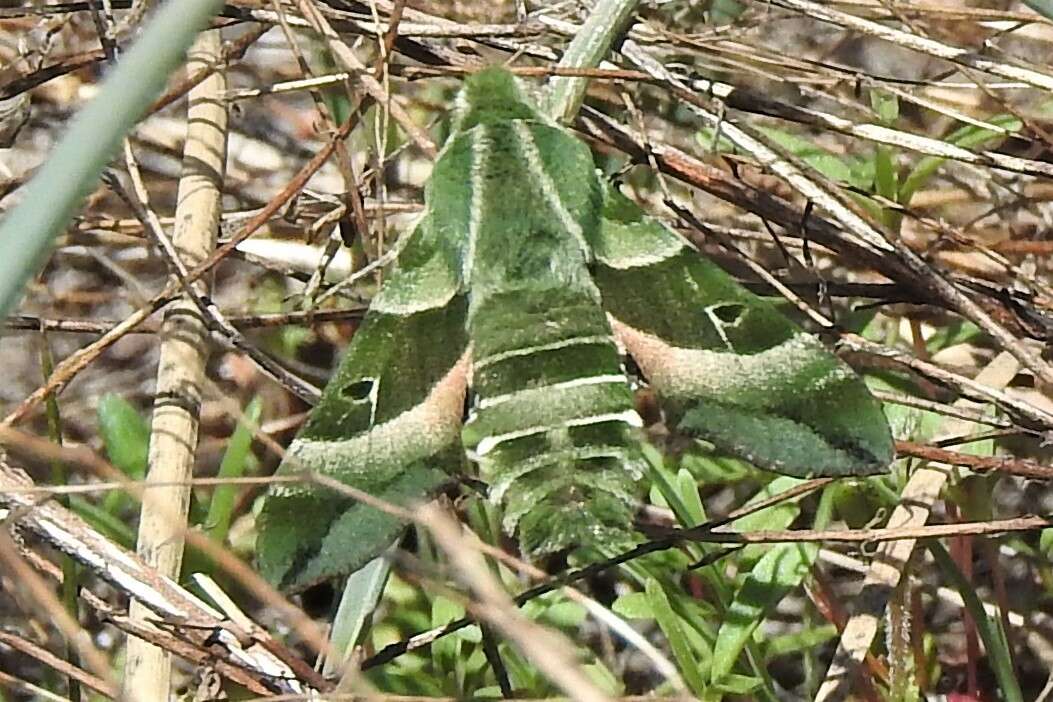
493 95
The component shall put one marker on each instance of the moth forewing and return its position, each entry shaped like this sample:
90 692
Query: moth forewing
727 366
388 424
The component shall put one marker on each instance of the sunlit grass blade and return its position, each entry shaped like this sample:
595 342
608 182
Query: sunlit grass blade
55 192
362 592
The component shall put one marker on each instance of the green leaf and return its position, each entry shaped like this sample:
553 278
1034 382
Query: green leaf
678 491
857 502
885 175
708 468
336 98
636 605
778 572
723 12
838 168
886 181
967 137
778 516
1045 543
955 331
886 105
362 591
554 609
104 521
447 652
126 438
125 435
735 684
603 678
689 497
800 641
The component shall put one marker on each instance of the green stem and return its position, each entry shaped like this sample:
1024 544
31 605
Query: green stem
60 476
589 46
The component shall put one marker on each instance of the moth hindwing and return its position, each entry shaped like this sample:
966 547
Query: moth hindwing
521 274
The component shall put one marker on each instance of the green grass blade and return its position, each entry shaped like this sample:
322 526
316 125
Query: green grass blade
590 45
53 195
990 628
125 434
968 137
60 476
1042 7
362 592
669 623
126 437
778 572
103 521
235 459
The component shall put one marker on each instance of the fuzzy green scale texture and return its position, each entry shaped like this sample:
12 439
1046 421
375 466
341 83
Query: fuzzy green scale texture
729 368
523 282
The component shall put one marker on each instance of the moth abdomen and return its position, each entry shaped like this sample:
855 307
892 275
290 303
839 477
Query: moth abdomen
553 426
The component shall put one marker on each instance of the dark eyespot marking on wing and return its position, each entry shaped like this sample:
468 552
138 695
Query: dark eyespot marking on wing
729 312
359 391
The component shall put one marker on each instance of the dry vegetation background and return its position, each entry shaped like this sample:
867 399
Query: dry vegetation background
955 333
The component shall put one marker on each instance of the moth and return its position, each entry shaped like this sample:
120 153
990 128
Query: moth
521 286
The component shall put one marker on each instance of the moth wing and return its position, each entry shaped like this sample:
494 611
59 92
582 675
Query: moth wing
388 424
727 366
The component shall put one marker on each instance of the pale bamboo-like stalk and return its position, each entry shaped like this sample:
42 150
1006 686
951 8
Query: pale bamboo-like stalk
890 562
180 372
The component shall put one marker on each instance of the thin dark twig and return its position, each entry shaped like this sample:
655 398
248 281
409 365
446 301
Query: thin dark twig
394 650
497 664
210 313
25 322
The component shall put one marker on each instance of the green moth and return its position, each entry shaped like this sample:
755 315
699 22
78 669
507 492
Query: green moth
524 282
